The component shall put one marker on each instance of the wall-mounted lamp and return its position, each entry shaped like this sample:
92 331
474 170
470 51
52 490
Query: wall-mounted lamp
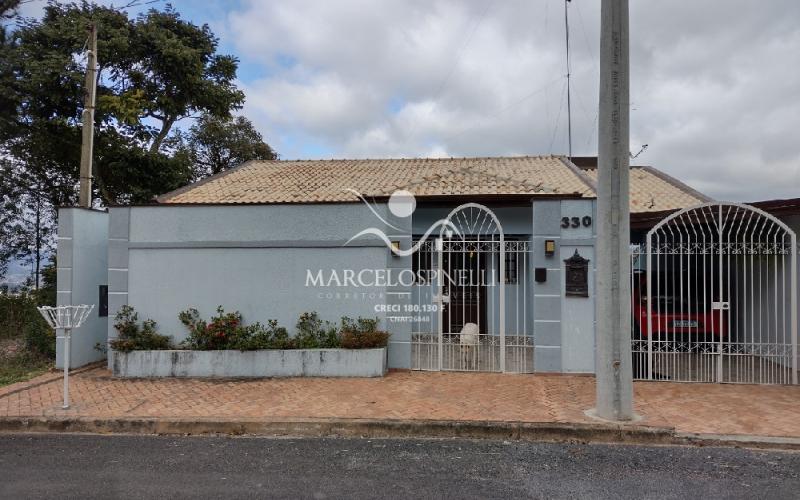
549 247
395 246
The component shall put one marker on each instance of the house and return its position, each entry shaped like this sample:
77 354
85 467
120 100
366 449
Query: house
500 246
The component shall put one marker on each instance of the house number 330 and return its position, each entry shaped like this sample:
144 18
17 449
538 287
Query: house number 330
585 221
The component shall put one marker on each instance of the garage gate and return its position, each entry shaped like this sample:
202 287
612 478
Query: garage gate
714 298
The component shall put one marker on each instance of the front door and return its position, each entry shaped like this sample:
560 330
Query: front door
466 287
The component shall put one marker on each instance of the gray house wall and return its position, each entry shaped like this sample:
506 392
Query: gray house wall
255 259
82 267
563 326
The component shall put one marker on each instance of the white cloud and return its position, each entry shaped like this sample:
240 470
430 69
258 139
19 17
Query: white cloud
714 89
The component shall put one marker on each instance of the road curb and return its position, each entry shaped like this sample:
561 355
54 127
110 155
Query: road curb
740 441
369 428
525 431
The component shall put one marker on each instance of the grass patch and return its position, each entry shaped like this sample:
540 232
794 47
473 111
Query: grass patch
21 367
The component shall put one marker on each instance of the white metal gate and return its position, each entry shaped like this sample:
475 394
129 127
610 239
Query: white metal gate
478 291
714 298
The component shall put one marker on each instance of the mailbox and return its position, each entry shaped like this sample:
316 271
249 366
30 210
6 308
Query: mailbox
577 276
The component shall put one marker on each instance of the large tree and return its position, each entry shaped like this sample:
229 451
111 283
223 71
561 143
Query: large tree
217 144
154 70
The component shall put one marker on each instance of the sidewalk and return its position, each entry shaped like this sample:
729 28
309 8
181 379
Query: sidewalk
472 399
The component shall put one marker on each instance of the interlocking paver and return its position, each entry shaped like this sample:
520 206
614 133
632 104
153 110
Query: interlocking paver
697 408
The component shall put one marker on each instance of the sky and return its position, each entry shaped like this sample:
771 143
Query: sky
715 84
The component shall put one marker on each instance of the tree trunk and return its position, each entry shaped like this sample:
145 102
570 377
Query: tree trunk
105 196
165 128
38 239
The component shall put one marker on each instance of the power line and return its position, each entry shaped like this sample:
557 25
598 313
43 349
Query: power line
461 50
512 105
456 59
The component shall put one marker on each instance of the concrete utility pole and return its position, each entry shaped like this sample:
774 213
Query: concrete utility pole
614 372
87 144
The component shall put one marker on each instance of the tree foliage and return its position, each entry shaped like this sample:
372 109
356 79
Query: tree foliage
154 70
216 144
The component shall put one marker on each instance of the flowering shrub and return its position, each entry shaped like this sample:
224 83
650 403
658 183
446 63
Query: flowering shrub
223 331
227 331
132 337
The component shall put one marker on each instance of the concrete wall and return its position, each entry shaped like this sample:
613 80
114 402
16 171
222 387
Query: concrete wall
82 267
255 259
563 326
269 363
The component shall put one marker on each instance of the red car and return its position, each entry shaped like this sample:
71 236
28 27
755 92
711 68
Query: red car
672 316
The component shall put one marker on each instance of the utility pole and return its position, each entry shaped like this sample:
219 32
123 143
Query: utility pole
613 367
569 103
87 143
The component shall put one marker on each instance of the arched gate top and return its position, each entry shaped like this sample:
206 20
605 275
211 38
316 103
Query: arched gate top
482 209
743 206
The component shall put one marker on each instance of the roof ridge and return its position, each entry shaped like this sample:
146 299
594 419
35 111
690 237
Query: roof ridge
411 159
579 173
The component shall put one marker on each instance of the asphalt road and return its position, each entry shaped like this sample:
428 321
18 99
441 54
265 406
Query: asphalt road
88 466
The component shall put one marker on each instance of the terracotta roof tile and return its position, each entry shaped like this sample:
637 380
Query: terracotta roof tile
655 191
310 181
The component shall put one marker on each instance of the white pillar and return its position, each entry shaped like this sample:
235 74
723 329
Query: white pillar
613 368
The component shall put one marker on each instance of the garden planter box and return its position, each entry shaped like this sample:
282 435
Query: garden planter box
266 363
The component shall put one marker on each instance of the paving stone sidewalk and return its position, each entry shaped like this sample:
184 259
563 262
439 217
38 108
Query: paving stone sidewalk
689 408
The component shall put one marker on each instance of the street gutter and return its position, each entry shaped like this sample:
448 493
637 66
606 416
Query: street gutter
368 428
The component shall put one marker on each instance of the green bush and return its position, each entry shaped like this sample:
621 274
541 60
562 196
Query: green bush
258 336
362 333
227 331
40 338
16 311
313 333
132 337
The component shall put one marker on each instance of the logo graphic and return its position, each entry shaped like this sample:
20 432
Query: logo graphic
401 204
